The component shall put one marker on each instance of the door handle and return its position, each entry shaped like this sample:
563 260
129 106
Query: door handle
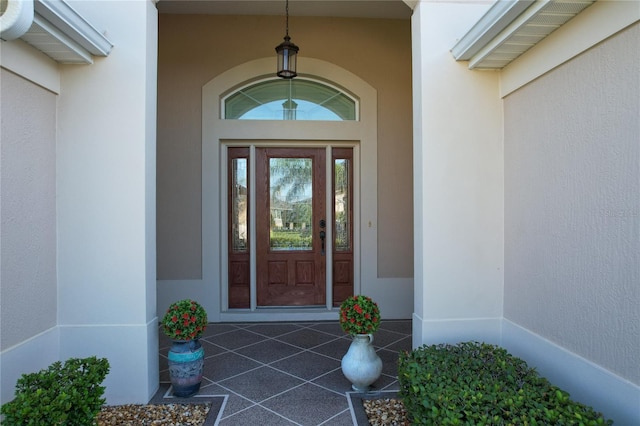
323 234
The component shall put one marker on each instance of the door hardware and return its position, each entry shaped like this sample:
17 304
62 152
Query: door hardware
322 236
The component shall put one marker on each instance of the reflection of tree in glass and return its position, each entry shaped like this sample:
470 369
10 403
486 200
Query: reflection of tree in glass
341 194
290 179
239 206
291 198
301 213
291 203
342 179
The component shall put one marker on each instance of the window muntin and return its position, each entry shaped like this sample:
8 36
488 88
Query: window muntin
296 99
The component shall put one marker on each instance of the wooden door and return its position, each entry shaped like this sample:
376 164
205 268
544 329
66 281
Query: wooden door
290 227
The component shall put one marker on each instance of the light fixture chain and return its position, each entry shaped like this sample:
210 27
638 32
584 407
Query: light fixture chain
286 8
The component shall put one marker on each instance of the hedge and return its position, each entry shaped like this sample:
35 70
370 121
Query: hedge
68 394
475 383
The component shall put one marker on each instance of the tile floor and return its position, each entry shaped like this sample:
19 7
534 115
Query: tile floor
287 373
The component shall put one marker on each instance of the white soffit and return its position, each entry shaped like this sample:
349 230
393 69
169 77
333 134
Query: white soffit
61 33
511 27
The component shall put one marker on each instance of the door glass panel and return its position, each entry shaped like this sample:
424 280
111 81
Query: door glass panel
291 201
239 204
341 193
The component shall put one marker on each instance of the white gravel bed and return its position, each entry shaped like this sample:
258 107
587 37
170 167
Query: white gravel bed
153 415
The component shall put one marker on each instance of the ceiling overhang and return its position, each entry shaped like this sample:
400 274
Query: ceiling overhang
60 32
380 9
511 27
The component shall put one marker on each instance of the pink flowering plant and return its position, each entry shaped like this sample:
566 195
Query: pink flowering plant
185 320
359 315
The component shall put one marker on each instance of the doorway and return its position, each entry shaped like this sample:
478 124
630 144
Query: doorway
303 215
232 299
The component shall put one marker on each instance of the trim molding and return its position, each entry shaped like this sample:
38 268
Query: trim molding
58 31
457 330
595 24
71 23
217 132
33 354
617 398
132 351
512 27
26 61
589 383
501 14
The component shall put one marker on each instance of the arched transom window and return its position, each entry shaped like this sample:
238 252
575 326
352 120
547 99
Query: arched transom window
296 99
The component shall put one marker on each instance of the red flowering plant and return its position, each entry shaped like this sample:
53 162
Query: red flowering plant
359 315
184 320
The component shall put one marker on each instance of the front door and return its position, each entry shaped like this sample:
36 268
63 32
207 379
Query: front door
290 227
302 241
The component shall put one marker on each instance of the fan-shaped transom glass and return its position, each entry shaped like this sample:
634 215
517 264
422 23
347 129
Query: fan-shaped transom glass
296 99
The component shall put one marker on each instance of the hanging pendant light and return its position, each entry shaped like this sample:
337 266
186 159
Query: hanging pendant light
287 53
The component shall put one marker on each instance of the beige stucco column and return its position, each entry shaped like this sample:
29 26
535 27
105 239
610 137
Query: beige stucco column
106 202
458 183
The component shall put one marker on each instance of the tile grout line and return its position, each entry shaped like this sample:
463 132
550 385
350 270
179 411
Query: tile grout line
326 422
397 337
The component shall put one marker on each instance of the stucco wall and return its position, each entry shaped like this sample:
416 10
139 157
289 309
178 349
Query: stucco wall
28 210
194 49
106 203
572 205
458 183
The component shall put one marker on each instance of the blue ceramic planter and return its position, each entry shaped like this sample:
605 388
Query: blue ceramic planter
186 360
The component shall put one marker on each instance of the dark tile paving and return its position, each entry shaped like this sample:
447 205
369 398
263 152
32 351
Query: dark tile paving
263 383
256 415
307 338
308 404
287 373
307 365
269 351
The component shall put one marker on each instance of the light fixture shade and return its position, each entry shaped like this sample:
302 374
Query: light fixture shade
287 58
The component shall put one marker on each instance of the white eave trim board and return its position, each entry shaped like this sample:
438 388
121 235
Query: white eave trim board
512 27
497 18
68 52
507 32
74 26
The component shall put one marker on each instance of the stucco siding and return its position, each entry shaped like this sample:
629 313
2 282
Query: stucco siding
195 49
105 202
458 184
28 210
572 205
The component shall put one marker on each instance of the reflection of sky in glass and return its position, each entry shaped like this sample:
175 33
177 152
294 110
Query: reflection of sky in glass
305 111
241 172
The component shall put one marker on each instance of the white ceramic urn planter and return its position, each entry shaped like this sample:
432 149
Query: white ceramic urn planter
361 365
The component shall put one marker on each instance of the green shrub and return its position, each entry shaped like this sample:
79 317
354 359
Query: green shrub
68 395
480 384
290 239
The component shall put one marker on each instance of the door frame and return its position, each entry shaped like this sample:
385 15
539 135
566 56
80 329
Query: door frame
218 134
328 202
